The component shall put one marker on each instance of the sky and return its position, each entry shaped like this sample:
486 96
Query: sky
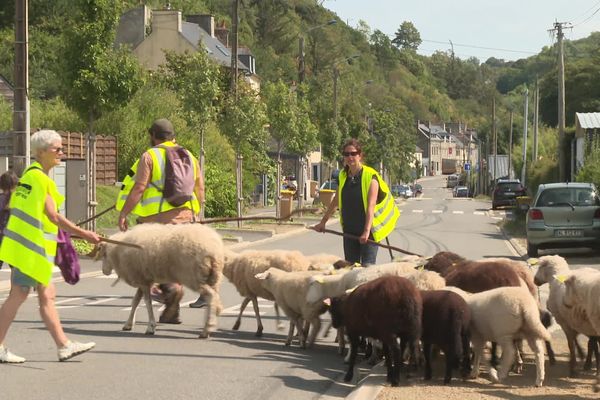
513 29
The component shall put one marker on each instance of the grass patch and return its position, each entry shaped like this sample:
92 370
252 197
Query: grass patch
515 227
107 197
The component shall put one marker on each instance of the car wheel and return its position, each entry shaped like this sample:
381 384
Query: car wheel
532 250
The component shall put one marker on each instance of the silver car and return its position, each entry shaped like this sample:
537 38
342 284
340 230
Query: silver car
563 215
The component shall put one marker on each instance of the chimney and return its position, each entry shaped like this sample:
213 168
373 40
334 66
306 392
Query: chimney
222 33
205 21
166 20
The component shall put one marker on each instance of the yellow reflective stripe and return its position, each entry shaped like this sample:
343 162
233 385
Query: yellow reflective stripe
150 200
50 236
383 207
26 218
160 158
28 244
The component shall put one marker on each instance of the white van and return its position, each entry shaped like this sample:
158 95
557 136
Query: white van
452 181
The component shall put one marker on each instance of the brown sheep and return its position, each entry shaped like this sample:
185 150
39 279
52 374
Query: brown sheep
443 262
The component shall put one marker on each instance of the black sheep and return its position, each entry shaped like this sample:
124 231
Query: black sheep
446 319
386 308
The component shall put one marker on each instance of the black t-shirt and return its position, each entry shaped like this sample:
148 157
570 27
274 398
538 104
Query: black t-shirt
353 207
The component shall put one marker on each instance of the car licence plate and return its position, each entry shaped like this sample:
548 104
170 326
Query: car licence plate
568 233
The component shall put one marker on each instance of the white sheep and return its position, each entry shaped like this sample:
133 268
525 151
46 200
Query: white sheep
191 254
582 293
502 315
573 320
241 268
289 290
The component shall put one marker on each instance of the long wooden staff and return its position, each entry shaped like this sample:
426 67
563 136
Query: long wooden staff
385 246
96 216
119 242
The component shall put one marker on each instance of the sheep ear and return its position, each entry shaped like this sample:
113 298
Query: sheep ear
319 279
561 278
533 261
98 251
327 302
262 276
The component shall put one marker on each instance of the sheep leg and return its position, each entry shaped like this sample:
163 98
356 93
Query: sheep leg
316 327
427 354
354 341
550 351
506 360
494 354
279 324
466 354
327 329
537 346
590 352
213 308
341 340
238 321
572 343
300 325
135 302
478 344
290 335
402 351
151 321
388 363
259 325
519 360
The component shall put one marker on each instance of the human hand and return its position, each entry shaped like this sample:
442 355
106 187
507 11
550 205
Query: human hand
364 237
91 237
123 222
320 227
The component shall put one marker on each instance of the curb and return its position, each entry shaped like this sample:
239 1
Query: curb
370 386
522 252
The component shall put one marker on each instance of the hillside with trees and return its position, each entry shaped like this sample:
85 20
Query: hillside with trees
78 78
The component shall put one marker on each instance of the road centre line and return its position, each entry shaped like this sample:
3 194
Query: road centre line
458 212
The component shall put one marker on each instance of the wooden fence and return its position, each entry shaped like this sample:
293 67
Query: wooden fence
75 148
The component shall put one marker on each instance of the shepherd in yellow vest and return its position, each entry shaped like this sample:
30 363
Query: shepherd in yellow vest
142 195
29 245
367 207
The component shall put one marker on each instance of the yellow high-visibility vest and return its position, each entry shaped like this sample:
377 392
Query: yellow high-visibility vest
152 201
29 242
386 213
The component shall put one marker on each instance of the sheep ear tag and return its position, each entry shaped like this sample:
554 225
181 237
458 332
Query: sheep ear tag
421 268
561 278
533 261
327 302
319 279
351 290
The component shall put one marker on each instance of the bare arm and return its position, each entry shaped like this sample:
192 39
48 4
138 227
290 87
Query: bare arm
199 188
65 224
328 213
371 201
134 197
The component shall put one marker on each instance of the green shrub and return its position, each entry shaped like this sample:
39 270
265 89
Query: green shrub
590 172
544 170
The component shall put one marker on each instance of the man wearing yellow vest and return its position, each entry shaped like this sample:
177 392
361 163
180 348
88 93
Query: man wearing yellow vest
29 245
141 195
367 207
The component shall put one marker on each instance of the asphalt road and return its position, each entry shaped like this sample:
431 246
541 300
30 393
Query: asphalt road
230 365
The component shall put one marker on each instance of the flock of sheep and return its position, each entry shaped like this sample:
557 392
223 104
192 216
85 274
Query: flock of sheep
455 304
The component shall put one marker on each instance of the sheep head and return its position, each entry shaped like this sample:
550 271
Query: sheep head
548 267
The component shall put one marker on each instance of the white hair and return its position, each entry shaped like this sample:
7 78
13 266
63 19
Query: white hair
43 139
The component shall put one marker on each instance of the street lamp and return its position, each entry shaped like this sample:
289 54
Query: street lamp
336 75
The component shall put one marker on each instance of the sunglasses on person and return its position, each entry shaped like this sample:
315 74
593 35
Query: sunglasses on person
57 149
350 153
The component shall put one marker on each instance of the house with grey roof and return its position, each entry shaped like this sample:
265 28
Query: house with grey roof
150 33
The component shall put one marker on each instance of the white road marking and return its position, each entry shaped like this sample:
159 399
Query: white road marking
458 212
111 276
69 300
437 211
101 301
417 211
478 213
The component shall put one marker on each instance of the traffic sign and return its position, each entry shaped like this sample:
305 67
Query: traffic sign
467 166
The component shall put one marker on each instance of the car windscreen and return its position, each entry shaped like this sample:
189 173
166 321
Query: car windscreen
573 196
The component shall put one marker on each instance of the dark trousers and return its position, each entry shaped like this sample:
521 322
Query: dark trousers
365 254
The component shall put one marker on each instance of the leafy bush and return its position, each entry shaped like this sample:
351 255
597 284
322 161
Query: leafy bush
544 170
220 192
590 172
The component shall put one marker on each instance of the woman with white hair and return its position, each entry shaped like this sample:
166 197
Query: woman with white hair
29 245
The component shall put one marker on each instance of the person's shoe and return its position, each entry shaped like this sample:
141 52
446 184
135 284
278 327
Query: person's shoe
72 349
199 303
7 357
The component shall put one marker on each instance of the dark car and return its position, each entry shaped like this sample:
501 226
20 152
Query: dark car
461 191
417 189
401 191
506 192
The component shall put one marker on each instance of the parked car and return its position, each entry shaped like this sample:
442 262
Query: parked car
506 192
460 191
563 215
401 191
452 181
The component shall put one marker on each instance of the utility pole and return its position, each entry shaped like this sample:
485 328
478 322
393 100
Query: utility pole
558 28
495 139
525 115
301 67
510 141
234 78
536 110
21 98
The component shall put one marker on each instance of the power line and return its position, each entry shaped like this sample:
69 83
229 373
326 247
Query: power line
481 47
587 19
587 11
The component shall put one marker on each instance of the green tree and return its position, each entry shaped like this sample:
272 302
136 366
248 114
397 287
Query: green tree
407 36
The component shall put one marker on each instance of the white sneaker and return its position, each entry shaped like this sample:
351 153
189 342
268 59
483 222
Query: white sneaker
7 357
72 349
